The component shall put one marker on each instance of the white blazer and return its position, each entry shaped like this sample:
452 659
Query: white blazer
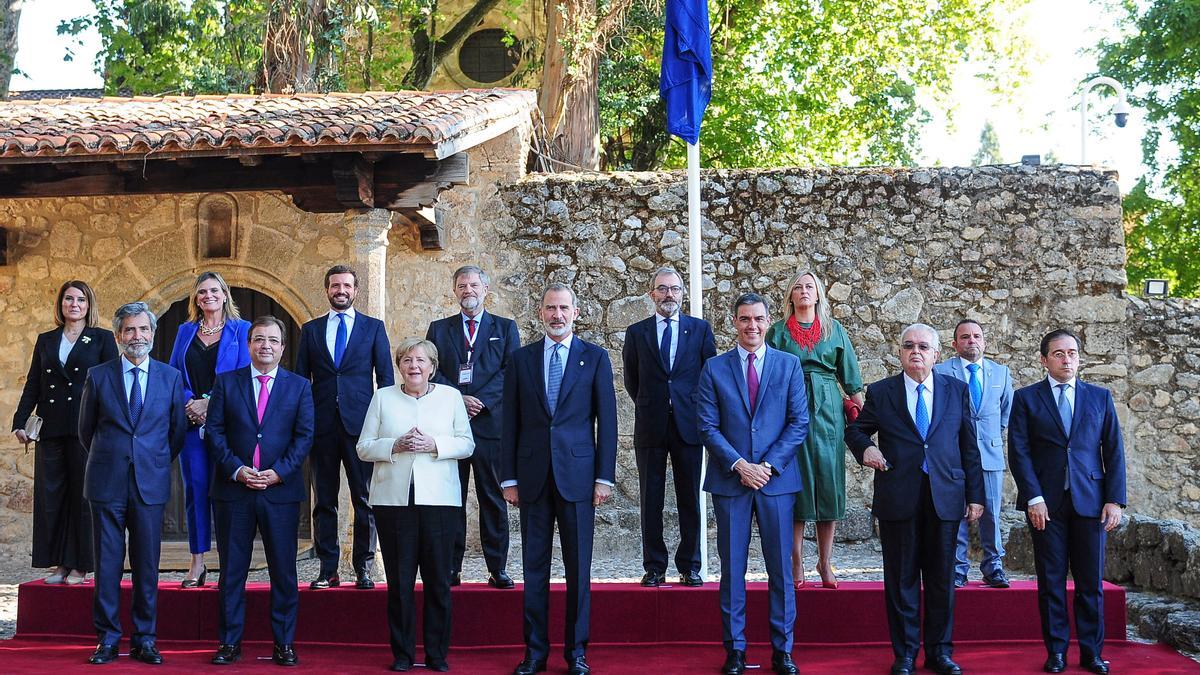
440 414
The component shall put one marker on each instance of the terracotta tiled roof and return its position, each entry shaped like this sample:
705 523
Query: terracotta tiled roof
445 122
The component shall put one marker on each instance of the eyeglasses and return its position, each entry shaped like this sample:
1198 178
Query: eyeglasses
919 346
673 290
258 340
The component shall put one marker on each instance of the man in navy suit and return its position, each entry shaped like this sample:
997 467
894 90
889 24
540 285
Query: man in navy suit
339 352
558 461
753 410
475 347
259 430
927 476
132 422
663 356
1068 459
991 389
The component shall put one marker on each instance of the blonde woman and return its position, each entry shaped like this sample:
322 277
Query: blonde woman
831 372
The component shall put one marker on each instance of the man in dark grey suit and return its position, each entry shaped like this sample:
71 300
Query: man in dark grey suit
474 348
132 422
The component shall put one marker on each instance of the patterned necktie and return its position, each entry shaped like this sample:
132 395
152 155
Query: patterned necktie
664 347
554 380
339 341
921 417
470 340
1064 408
752 382
471 329
263 395
975 386
135 396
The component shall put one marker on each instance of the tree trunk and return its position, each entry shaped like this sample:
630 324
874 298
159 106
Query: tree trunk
569 100
428 53
291 49
10 19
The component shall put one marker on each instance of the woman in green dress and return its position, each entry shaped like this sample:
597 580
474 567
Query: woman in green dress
809 331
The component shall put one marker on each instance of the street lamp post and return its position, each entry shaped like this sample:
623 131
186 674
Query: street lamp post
1120 112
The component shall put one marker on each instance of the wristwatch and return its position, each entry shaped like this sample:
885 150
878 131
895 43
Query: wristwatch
770 468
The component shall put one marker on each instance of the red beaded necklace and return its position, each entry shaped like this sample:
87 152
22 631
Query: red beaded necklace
807 338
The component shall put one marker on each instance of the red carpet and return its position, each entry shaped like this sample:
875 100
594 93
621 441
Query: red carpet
621 614
42 655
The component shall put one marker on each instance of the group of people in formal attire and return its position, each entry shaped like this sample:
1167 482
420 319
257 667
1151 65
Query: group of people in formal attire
537 425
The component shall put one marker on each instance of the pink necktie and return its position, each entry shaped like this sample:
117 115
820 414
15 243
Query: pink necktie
752 382
263 395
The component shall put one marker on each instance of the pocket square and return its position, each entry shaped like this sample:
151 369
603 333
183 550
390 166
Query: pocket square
493 338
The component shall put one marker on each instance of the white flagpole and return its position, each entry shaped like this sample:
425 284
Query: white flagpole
695 281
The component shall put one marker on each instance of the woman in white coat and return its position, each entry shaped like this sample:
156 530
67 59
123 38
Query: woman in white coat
414 433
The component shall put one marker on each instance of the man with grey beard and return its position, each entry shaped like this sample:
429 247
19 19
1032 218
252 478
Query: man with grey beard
132 421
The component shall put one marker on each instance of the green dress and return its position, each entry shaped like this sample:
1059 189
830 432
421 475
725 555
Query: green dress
822 460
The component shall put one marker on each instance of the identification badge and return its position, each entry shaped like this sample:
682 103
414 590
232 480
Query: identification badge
465 373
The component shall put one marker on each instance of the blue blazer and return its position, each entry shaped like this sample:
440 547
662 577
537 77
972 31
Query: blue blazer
232 350
346 390
496 338
113 443
284 437
1039 449
991 420
950 447
650 385
579 442
776 432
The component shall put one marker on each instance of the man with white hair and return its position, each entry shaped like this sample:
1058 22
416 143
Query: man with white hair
928 477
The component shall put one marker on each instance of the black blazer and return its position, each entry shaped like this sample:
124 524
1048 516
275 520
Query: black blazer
496 338
650 385
346 390
55 389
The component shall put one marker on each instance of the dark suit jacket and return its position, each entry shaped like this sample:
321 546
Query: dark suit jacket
348 389
113 443
950 446
1039 449
651 386
284 437
579 443
232 351
776 432
496 338
56 389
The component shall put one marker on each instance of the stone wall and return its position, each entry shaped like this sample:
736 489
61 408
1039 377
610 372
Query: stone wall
1020 249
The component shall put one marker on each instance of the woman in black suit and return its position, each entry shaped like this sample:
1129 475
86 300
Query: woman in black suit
62 524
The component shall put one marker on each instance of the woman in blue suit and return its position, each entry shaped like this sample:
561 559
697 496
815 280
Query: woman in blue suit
212 341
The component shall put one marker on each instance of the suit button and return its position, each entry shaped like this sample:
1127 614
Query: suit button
47 370
926 446
68 398
52 400
260 435
51 386
77 369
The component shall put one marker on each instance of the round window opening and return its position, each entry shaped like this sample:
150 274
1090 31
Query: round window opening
484 56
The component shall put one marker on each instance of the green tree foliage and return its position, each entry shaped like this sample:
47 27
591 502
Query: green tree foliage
801 81
1160 59
989 147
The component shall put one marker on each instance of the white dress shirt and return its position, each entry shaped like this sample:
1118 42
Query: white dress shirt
255 384
143 370
910 395
331 327
64 348
1054 393
660 325
744 357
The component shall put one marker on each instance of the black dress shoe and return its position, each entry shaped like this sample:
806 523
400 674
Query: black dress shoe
146 653
943 665
437 665
692 579
1094 664
735 662
578 666
455 579
997 579
903 666
325 581
529 666
285 655
198 582
782 664
227 655
402 665
960 580
1055 663
500 579
103 654
653 578
364 582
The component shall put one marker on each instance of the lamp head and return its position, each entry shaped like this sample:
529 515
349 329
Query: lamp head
1121 113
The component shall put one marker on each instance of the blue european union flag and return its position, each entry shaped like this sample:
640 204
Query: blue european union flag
686 79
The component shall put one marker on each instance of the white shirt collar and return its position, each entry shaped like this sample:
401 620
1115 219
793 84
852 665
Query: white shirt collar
1054 383
548 343
350 313
659 318
271 373
759 353
966 362
127 365
478 317
911 384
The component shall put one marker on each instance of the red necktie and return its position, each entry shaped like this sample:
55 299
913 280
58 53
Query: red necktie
263 395
471 328
752 382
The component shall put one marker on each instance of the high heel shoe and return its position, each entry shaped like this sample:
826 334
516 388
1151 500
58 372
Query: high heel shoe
799 583
74 580
831 582
198 581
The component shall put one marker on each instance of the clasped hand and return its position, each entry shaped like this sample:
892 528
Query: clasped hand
754 476
414 441
258 480
197 410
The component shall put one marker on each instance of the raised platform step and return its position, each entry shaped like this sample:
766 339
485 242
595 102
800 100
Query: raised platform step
622 613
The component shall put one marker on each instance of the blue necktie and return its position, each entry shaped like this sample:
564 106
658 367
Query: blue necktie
1064 408
554 380
135 397
922 419
664 347
975 386
339 341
